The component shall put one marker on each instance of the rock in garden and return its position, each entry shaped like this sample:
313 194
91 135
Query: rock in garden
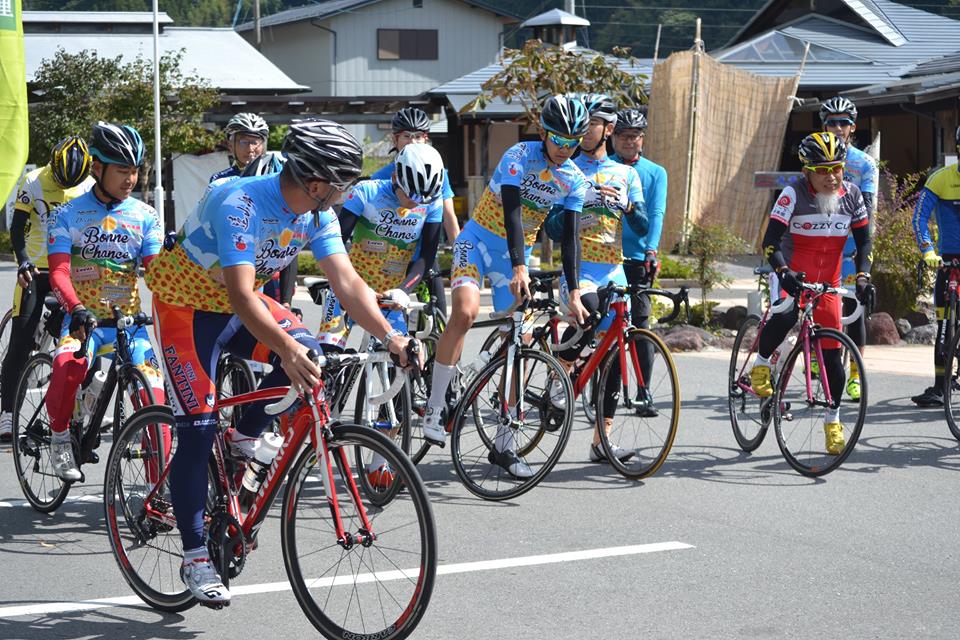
683 339
734 317
925 334
882 330
917 318
903 327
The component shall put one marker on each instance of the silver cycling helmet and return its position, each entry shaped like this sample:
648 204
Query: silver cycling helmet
420 172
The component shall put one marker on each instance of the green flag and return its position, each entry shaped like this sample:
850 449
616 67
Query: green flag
14 125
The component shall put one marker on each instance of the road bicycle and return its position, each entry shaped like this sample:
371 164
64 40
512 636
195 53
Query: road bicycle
358 568
949 345
801 387
43 489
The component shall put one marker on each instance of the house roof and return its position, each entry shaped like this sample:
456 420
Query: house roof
914 90
556 17
322 10
97 17
869 57
205 49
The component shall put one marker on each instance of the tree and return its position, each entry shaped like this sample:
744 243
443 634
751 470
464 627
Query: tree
77 90
540 69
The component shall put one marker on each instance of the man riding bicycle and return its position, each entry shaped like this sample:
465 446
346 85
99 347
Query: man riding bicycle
41 191
388 221
206 300
497 241
940 197
808 227
97 242
614 196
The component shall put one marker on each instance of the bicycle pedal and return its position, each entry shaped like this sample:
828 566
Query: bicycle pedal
216 606
92 457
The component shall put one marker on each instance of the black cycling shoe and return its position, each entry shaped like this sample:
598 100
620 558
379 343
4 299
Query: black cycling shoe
644 406
931 397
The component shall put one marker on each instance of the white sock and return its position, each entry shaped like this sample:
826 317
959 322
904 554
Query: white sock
504 439
442 375
60 436
189 555
761 361
831 415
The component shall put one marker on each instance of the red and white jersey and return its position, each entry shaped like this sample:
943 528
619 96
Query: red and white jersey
814 240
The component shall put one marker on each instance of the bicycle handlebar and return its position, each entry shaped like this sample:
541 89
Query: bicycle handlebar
119 321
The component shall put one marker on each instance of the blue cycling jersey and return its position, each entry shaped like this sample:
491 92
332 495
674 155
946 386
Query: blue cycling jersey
230 172
653 179
940 198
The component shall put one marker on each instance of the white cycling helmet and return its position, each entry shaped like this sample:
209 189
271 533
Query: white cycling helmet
419 170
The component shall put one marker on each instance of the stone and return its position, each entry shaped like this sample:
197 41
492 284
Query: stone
903 327
924 334
684 338
882 330
917 318
734 317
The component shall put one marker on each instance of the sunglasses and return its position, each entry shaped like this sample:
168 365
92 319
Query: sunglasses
826 169
838 122
563 143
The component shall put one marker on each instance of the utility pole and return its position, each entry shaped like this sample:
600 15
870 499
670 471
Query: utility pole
256 21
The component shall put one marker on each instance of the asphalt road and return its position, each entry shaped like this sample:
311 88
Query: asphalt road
753 549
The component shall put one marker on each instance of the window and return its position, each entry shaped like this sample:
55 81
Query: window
407 44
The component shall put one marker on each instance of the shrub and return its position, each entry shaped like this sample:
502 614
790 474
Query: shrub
6 247
709 242
676 268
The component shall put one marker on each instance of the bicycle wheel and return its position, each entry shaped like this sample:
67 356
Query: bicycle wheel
799 419
143 534
234 377
749 413
136 392
42 488
644 415
951 392
373 589
6 328
419 394
485 424
588 397
396 428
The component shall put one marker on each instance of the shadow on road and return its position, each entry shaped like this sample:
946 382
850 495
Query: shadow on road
98 624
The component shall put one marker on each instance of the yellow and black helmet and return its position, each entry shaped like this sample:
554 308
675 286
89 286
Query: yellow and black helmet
822 147
70 161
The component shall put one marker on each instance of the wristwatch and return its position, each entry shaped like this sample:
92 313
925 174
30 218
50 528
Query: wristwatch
393 333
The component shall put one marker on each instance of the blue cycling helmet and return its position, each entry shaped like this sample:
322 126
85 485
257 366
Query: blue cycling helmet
116 144
565 116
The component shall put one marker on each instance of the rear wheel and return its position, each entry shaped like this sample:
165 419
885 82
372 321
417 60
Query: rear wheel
6 328
43 489
392 419
749 413
951 390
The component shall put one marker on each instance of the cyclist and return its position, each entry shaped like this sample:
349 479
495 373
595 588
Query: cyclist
412 125
939 197
640 251
810 223
97 241
41 191
387 221
839 117
246 140
205 300
497 242
614 196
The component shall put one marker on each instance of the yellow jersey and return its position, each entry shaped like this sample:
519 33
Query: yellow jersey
38 195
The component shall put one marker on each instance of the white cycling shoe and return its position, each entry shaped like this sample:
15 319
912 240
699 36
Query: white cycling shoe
61 457
434 429
204 583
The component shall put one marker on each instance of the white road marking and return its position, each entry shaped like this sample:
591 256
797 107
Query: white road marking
95 497
447 569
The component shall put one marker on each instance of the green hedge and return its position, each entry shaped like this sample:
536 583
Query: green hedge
5 245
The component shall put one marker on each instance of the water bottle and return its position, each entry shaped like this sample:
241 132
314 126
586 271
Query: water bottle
263 455
784 347
91 392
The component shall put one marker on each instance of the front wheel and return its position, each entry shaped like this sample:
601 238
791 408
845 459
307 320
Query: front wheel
801 415
638 409
42 488
6 328
749 413
368 584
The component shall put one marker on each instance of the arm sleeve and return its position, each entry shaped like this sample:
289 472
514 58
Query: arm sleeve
656 202
288 282
921 219
18 235
347 223
513 223
429 242
864 241
869 199
771 244
570 248
60 280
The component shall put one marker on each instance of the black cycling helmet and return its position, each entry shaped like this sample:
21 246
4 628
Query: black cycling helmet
822 147
565 116
410 119
270 162
836 106
116 144
630 119
247 123
600 105
322 150
70 161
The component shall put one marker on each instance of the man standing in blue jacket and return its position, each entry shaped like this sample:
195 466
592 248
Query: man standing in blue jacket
640 252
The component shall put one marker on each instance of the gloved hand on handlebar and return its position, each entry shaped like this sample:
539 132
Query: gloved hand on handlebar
652 265
931 258
82 321
789 281
863 287
399 297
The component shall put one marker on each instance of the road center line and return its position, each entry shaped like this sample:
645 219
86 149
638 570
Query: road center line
446 569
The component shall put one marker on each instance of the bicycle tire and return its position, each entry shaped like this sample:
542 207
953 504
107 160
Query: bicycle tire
950 326
401 436
158 584
42 488
588 397
307 502
234 377
541 421
749 414
6 330
950 378
135 386
797 444
650 437
419 394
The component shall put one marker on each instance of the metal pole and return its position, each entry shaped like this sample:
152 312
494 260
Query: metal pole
158 196
256 21
656 45
694 99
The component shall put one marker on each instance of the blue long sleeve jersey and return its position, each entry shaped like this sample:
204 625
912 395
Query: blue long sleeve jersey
653 179
941 198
